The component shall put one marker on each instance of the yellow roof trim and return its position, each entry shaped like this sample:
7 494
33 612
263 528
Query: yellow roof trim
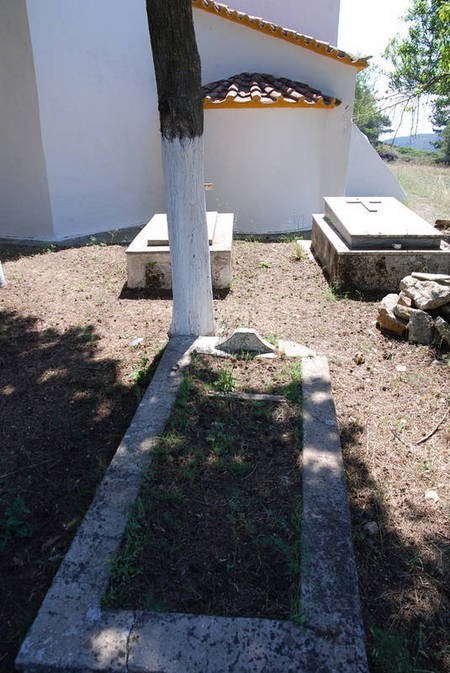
231 104
275 30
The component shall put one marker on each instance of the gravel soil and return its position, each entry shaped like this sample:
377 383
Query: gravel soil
70 380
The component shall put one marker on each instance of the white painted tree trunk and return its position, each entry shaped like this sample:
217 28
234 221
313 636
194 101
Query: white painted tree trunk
3 282
192 311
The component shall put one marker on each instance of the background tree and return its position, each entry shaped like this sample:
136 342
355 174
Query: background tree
180 101
421 62
366 113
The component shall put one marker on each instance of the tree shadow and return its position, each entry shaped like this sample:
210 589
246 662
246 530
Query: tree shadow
159 293
404 582
62 415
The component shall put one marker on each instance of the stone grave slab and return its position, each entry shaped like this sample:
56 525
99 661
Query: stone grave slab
357 252
369 223
148 255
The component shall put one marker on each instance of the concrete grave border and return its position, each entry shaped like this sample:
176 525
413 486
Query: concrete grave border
73 634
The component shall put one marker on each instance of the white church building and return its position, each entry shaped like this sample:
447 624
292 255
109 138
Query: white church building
79 126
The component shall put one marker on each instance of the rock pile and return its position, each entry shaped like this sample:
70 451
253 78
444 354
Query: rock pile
421 309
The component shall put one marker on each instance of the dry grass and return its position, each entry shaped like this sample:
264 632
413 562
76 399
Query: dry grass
427 188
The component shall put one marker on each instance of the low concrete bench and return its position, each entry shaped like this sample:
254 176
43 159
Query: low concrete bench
148 257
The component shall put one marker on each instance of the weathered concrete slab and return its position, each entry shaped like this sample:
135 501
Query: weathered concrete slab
73 634
148 255
369 223
371 269
329 581
158 233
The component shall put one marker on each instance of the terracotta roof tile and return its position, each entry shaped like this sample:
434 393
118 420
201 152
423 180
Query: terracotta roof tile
305 41
258 89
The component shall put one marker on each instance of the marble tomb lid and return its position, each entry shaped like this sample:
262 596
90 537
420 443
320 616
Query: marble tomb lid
379 223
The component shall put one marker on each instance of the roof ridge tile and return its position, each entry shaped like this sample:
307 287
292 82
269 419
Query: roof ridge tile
282 32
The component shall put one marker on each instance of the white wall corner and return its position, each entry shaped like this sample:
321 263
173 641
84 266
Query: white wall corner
368 174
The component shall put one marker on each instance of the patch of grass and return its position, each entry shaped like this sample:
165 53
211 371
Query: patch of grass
390 654
144 371
272 339
123 566
93 240
13 521
226 381
300 252
427 188
264 265
293 389
224 463
333 293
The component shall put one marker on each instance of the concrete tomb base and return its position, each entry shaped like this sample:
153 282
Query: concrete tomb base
148 256
374 248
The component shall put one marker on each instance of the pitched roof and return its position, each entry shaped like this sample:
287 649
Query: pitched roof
275 30
249 89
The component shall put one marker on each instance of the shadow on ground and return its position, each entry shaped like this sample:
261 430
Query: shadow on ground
402 588
62 415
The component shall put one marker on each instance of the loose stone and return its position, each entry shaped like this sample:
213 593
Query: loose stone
425 294
386 317
441 278
404 300
403 312
443 329
420 328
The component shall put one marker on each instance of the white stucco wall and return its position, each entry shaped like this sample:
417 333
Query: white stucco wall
98 113
266 167
227 48
24 201
319 18
89 137
368 174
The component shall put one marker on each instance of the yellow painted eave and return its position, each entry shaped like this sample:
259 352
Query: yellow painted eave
274 30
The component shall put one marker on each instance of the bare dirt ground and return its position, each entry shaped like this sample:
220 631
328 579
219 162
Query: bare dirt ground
70 380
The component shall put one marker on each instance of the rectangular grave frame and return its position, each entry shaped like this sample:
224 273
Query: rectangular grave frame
73 633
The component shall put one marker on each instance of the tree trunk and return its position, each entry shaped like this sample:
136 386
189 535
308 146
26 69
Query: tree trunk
178 78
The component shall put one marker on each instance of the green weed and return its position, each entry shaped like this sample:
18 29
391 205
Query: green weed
299 252
390 653
152 604
225 382
333 293
13 523
264 265
123 567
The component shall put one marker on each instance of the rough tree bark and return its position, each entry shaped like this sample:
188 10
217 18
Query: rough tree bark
178 77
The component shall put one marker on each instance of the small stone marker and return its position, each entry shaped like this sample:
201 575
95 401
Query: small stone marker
245 340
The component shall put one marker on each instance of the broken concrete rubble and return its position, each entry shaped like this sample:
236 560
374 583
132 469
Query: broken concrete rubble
443 329
426 294
409 311
420 327
386 316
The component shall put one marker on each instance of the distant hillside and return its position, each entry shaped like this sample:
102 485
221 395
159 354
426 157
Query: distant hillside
421 141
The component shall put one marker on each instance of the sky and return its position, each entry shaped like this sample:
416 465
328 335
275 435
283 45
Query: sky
365 28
